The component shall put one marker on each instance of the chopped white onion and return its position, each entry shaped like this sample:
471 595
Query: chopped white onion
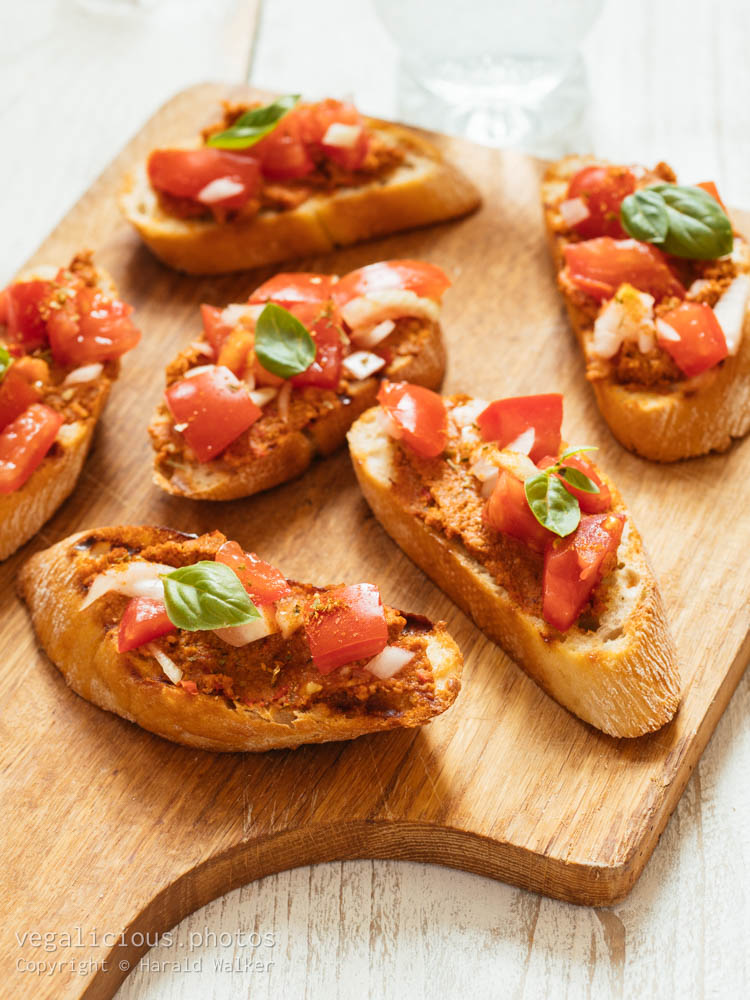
202 347
467 413
289 615
133 579
199 369
87 373
667 332
236 312
262 396
241 635
341 135
730 311
697 286
627 317
523 443
488 486
573 211
218 190
169 667
373 336
389 303
388 663
483 469
740 252
285 393
362 364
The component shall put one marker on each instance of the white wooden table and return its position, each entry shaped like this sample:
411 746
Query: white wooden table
669 80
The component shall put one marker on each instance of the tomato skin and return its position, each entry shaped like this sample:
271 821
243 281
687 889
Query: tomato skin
22 301
599 266
573 566
508 512
348 625
24 443
294 287
144 619
282 154
702 343
602 189
183 173
504 419
216 408
418 414
16 394
88 327
261 580
426 280
325 371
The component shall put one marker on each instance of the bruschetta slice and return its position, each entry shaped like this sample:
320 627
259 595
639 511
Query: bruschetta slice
62 332
656 285
286 180
277 380
530 539
205 644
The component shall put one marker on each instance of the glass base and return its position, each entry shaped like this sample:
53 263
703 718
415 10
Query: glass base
548 119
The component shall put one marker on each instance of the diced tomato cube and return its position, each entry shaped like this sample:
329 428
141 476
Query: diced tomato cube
602 189
24 443
506 419
702 343
16 394
345 624
418 416
143 620
599 266
261 580
508 511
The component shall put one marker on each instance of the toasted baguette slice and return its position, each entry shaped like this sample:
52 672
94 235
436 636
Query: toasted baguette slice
694 416
423 189
290 451
23 512
83 645
621 678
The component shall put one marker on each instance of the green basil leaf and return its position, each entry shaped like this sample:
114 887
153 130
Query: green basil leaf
283 344
254 125
207 595
551 504
5 361
577 450
578 479
697 226
644 215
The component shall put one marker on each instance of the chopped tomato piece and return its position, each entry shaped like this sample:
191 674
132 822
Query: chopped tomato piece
212 409
144 619
214 327
702 343
283 154
426 280
418 416
325 371
508 511
710 188
22 303
573 566
505 419
184 173
261 580
88 327
598 267
16 394
315 120
236 351
24 443
590 503
344 625
602 189
294 287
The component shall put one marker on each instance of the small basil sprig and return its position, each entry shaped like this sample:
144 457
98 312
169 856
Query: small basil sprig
5 361
550 502
207 595
253 125
682 221
283 345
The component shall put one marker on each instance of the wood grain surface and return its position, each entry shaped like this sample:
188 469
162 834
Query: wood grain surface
116 831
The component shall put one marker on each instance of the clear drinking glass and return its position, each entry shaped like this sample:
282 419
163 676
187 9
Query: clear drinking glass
502 72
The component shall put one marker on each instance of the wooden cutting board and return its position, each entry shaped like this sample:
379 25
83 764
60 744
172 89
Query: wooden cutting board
112 835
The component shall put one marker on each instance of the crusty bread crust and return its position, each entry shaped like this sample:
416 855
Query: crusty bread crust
88 659
621 679
691 419
24 511
423 190
292 454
